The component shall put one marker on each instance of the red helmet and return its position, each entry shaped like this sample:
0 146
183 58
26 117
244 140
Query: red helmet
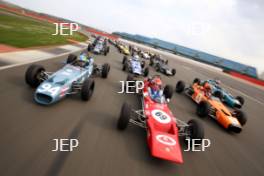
156 83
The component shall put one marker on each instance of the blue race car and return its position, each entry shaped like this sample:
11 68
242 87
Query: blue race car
135 66
224 95
73 78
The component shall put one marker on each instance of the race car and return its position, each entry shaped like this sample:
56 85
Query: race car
73 78
209 104
161 66
99 48
144 55
125 50
224 95
163 129
135 66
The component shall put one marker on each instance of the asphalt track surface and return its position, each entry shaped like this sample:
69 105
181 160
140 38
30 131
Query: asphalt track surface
27 129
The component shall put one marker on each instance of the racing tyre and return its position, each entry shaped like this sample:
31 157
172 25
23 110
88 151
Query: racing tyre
124 67
124 60
143 64
108 49
180 86
87 89
124 117
34 74
157 68
203 109
146 72
89 48
196 80
105 70
196 131
151 62
241 117
219 94
168 91
241 100
71 58
173 71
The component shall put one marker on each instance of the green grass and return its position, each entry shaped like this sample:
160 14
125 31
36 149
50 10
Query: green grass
22 32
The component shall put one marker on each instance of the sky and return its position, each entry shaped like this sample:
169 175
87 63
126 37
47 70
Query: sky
233 29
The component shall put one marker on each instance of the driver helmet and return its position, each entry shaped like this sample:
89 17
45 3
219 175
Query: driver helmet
155 84
217 81
136 57
207 89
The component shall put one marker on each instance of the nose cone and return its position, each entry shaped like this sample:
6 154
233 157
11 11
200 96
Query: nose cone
43 98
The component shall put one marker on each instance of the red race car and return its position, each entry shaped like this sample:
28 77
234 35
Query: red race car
163 129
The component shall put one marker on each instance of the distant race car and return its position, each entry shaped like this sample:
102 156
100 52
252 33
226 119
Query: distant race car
135 66
73 78
224 95
161 66
144 55
163 129
125 50
209 104
99 48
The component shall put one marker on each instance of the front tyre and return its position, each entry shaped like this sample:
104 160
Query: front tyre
180 86
71 58
203 109
34 75
241 117
146 72
87 89
196 131
105 70
124 117
168 91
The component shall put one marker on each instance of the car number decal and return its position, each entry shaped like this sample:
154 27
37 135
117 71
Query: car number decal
46 87
198 98
160 116
167 140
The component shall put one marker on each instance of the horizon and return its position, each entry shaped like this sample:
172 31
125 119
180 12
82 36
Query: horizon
220 30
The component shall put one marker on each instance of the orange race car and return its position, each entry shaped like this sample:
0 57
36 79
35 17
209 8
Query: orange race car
211 105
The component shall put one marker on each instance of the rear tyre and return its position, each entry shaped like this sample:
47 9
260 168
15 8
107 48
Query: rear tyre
71 58
87 89
203 109
105 70
151 62
241 100
108 49
124 67
33 75
168 91
124 117
241 117
196 131
146 72
124 60
173 71
180 86
219 94
143 64
89 48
